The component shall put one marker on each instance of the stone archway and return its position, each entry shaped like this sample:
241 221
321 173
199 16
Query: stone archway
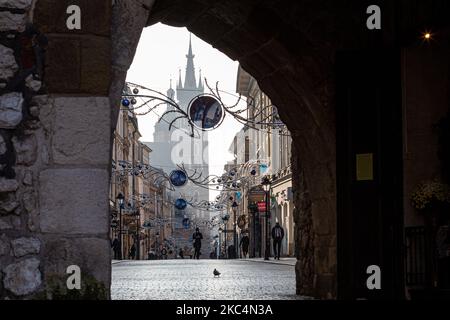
55 142
73 118
265 54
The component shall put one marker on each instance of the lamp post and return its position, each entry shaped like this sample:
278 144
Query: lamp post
120 198
234 208
138 231
219 255
266 185
253 208
225 221
157 244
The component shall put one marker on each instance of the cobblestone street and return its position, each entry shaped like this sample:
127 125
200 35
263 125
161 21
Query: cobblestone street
193 279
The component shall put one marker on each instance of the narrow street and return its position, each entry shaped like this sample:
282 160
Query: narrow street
193 279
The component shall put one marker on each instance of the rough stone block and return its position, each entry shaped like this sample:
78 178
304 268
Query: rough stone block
10 110
81 131
4 246
8 204
29 201
45 106
74 201
28 178
12 22
23 246
8 65
32 84
8 185
5 223
16 4
23 277
26 149
3 147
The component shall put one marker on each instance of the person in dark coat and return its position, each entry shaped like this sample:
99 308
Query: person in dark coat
116 248
132 254
244 243
197 237
277 236
181 253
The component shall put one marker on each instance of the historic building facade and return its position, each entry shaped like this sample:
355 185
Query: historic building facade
268 151
144 215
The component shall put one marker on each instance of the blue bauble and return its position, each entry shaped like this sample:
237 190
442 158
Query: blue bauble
180 204
126 102
178 178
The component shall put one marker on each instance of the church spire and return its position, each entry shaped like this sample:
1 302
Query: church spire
171 92
200 80
180 84
189 81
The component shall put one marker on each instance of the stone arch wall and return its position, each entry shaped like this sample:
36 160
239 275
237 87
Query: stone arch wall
301 85
55 141
75 113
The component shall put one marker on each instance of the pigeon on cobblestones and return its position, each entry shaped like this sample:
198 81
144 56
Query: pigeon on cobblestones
216 273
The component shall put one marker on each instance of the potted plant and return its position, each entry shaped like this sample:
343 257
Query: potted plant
432 198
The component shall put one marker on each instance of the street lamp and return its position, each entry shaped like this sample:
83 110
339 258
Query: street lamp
266 186
157 244
234 208
220 243
120 198
138 231
225 221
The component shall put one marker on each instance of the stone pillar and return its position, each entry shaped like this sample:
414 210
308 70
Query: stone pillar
54 149
315 224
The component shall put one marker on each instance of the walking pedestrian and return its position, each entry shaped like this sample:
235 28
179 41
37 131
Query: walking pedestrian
277 236
244 243
132 253
181 253
197 237
116 248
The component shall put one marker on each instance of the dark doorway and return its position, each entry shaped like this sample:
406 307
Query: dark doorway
369 173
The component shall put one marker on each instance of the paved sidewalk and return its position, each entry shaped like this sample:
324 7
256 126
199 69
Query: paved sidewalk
282 261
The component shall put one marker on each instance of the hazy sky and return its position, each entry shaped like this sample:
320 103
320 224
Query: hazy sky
161 53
